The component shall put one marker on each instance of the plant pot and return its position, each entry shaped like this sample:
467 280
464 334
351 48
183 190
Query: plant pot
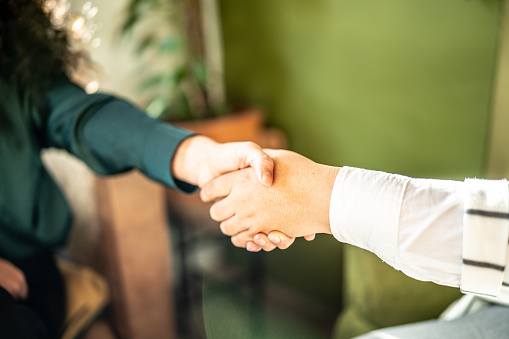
247 125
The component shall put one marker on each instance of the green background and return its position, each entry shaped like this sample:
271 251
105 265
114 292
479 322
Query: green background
402 86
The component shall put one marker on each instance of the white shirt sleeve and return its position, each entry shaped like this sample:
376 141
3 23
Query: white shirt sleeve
415 225
453 233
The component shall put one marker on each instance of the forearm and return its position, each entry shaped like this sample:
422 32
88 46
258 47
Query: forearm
119 137
110 135
186 160
415 225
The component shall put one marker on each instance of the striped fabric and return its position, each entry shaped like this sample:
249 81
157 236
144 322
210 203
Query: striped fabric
485 239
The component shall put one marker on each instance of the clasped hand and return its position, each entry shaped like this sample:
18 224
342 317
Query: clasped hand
297 203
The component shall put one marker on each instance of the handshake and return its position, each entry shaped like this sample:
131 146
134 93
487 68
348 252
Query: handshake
263 199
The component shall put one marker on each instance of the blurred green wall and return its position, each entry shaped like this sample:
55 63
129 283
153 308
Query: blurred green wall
396 85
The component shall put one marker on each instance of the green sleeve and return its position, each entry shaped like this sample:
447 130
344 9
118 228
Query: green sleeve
112 136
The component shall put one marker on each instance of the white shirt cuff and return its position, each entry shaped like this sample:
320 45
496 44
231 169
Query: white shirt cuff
365 208
485 237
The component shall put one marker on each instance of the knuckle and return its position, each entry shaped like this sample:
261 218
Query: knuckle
250 144
210 191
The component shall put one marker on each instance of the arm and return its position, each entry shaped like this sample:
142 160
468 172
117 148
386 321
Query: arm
429 229
113 136
414 225
402 220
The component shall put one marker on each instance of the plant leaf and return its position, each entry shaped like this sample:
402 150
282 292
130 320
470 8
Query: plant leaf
156 107
146 42
200 72
169 44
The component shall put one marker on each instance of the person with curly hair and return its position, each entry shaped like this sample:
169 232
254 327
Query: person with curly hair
41 107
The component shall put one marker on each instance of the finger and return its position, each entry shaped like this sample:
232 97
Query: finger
222 210
281 240
236 242
24 293
217 188
248 154
310 237
269 247
241 239
262 241
263 166
231 227
22 290
252 247
18 288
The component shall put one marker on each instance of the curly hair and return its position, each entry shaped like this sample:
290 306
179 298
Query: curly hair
33 52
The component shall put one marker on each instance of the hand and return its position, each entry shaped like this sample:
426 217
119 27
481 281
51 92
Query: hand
297 203
272 240
199 159
13 280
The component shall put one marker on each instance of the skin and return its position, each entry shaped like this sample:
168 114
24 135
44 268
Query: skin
297 203
200 159
13 280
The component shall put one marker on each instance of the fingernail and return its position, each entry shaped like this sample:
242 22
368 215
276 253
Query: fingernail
275 239
267 179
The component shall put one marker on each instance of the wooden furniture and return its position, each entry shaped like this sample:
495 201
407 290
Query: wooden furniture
121 231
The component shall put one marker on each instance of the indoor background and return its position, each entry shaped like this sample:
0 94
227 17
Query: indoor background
394 85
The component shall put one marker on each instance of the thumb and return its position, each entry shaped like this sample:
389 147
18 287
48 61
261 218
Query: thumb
244 154
263 166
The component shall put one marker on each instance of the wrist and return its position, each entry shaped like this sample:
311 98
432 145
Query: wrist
190 157
330 174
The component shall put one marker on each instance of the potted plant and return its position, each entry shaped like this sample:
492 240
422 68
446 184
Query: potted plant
189 90
190 85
